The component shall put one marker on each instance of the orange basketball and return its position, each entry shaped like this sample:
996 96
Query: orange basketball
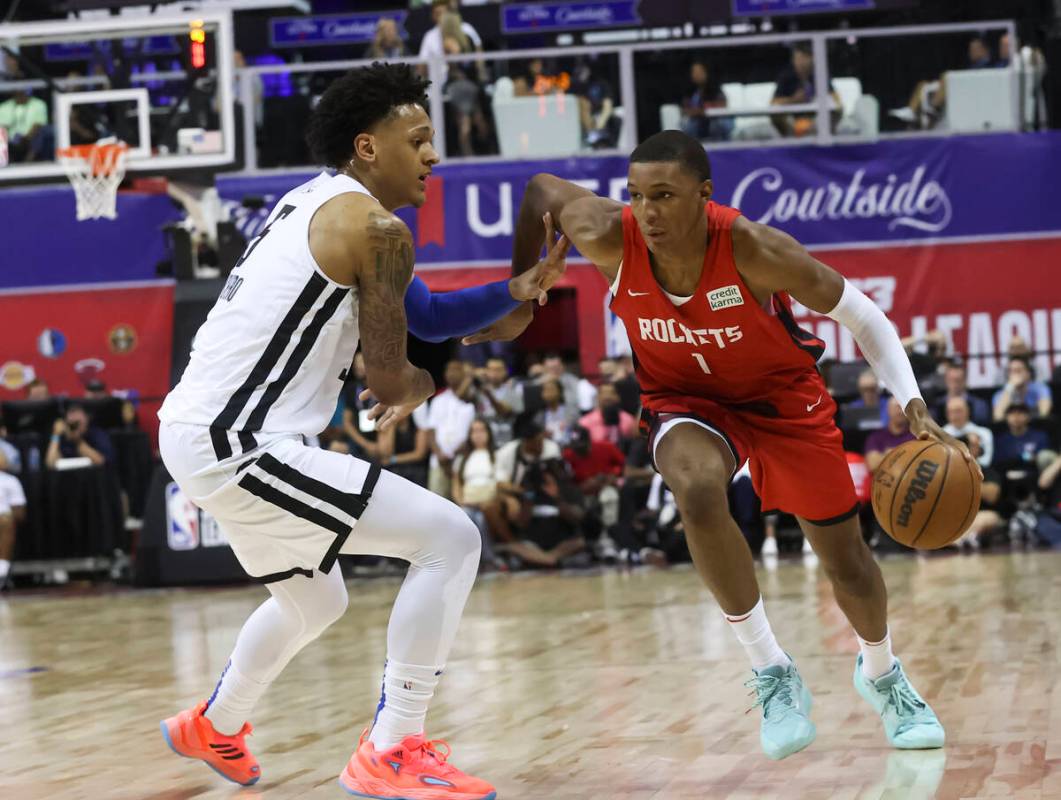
925 494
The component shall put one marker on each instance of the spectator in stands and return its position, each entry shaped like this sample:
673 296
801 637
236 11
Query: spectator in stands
74 436
1021 389
869 395
596 105
987 518
11 491
96 389
597 468
1021 443
633 494
559 417
1048 525
387 44
1005 54
404 450
450 417
553 368
498 399
704 94
29 136
462 87
432 45
625 380
927 352
475 480
360 431
37 389
1018 347
609 423
7 542
540 78
795 85
954 379
897 431
929 98
960 424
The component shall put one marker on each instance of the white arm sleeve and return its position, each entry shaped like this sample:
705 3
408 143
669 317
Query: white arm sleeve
878 341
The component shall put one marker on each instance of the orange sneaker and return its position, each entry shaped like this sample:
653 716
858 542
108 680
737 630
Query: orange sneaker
192 735
411 770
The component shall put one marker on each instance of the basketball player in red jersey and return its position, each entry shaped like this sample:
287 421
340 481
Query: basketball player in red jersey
726 375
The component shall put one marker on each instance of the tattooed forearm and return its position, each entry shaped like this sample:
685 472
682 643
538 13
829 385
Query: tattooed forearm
384 277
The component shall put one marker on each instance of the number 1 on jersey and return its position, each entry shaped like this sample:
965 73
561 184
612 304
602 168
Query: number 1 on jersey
703 364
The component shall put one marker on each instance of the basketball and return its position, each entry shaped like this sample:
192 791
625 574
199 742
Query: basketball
925 494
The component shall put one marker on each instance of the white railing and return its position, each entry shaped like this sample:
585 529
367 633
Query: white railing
822 105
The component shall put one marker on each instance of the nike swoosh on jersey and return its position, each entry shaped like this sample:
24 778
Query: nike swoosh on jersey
632 293
815 404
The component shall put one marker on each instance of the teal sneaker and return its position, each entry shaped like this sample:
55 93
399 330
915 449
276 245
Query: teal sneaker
909 722
786 727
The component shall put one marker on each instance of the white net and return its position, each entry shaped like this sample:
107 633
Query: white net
95 171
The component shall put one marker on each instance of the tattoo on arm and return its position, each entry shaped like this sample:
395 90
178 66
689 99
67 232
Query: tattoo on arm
388 268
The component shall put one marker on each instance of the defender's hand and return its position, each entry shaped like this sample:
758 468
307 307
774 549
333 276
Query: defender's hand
386 417
505 329
535 282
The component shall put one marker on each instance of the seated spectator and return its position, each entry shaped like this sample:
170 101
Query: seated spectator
704 94
432 45
37 389
927 353
358 429
540 79
954 379
387 44
629 531
10 486
596 106
73 436
869 395
1018 347
609 423
475 480
959 424
1021 443
987 518
524 494
1020 389
553 367
450 418
7 541
625 380
559 417
795 86
462 87
929 98
1048 524
404 450
897 431
597 468
498 399
29 136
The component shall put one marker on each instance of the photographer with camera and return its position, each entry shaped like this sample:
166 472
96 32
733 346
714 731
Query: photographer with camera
537 512
73 436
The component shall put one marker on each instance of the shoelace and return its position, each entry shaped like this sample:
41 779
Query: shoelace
767 688
430 747
906 704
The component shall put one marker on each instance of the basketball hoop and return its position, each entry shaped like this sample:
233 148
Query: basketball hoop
95 171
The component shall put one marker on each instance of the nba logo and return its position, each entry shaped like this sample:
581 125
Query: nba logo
182 520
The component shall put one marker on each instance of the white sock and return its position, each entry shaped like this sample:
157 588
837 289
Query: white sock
407 689
5 567
753 631
877 658
233 700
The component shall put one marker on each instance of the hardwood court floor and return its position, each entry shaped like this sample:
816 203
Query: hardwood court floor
560 687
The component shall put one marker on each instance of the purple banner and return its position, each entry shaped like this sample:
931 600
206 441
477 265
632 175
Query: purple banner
748 8
901 191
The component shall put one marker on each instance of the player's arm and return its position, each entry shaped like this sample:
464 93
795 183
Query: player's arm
592 224
772 261
356 242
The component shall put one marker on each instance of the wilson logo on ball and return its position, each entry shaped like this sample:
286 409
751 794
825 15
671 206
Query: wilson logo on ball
926 471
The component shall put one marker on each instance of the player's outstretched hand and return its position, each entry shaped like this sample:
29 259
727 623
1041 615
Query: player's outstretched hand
925 428
539 279
505 329
386 417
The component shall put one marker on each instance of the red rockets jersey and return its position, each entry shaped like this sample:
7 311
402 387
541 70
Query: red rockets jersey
720 344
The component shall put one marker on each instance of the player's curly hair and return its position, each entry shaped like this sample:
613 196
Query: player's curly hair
355 102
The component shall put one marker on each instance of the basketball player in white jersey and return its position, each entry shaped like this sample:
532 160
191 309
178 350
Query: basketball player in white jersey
332 263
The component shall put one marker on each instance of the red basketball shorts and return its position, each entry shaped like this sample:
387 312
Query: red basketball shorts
794 449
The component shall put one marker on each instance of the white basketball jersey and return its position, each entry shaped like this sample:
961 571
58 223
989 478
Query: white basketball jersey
274 351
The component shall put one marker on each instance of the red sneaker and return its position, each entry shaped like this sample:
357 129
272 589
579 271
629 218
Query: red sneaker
192 735
411 770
